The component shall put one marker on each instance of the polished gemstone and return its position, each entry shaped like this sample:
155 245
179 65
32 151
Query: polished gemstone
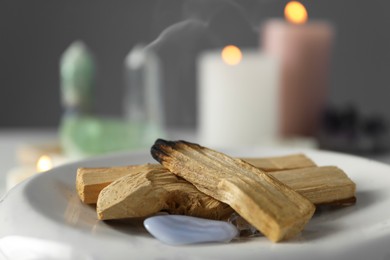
180 230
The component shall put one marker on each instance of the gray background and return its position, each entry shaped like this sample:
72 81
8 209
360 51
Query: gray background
33 34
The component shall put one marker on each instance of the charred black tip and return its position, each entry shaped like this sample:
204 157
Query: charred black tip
157 154
161 148
157 150
162 142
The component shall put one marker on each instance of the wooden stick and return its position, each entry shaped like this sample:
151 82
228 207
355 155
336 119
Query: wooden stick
90 181
266 203
279 163
326 185
152 190
161 190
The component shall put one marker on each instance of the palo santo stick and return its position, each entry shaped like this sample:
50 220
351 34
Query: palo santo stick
154 189
162 190
326 185
90 181
269 205
287 162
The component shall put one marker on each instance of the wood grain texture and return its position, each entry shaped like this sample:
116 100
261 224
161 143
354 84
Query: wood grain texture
278 163
148 191
326 185
90 181
269 205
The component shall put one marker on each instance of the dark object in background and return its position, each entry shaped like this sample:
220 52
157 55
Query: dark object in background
347 130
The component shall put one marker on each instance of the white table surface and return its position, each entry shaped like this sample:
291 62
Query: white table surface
12 139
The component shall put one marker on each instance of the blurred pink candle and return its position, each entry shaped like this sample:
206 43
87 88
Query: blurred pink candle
303 49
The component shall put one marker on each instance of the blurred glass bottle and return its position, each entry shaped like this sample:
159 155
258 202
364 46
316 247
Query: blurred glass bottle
77 82
143 101
77 78
82 132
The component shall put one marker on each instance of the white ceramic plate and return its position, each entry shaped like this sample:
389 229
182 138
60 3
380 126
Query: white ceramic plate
46 207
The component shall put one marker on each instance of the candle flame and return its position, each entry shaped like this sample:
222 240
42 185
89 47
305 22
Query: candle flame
44 163
295 12
231 55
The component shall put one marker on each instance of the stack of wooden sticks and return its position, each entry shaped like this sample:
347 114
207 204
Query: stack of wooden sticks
277 195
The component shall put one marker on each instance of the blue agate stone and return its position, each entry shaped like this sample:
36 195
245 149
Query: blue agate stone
180 230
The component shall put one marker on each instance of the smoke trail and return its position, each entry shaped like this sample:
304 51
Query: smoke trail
206 24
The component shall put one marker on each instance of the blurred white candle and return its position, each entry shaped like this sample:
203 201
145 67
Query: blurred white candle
238 98
303 49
